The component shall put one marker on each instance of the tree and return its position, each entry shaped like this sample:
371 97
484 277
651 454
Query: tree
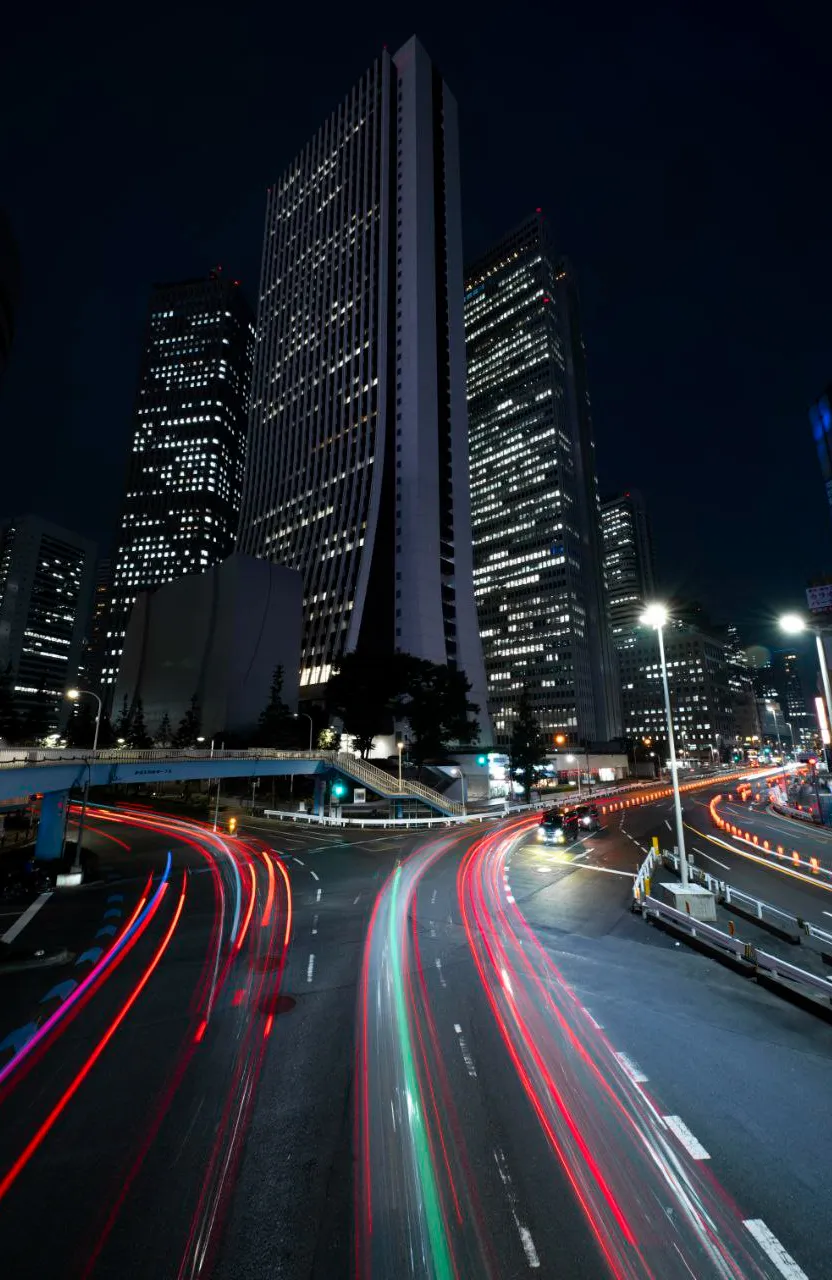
122 725
164 734
434 700
9 719
327 739
275 726
80 731
360 694
137 735
190 726
528 745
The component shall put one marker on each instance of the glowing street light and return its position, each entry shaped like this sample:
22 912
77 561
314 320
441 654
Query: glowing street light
400 748
74 695
657 616
794 624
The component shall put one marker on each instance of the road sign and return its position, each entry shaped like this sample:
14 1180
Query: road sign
359 795
819 599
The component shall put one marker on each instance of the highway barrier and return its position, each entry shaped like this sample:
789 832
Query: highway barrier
763 846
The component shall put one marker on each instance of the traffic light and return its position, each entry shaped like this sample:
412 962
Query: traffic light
482 759
339 789
232 825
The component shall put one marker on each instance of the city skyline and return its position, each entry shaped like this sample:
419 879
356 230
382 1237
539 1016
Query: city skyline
639 378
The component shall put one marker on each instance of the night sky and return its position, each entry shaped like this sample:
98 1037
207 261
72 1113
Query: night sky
683 160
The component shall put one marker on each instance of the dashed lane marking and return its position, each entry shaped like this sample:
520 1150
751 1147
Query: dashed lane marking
511 1195
691 1144
632 1069
310 968
314 875
771 1246
703 854
466 1056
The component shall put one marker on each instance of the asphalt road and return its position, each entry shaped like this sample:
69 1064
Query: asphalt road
443 1054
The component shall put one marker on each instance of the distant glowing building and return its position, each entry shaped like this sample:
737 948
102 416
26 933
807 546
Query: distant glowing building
357 470
538 573
820 416
46 583
628 563
187 456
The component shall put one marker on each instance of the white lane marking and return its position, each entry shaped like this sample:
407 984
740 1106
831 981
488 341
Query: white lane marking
314 924
667 824
318 895
595 1023
578 857
703 854
310 968
441 974
771 1246
509 898
29 914
466 1056
314 875
691 1144
828 913
511 1195
298 861
433 897
633 1071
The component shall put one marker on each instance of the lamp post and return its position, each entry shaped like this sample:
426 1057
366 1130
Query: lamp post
793 624
400 748
74 695
772 708
656 616
306 716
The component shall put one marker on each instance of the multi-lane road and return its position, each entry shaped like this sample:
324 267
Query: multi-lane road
308 1053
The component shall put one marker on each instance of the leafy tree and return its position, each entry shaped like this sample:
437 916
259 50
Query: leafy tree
190 726
328 739
80 731
9 719
434 700
122 725
275 727
164 734
137 735
360 694
528 745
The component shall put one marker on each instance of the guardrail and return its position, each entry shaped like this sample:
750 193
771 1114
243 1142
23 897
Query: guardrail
326 820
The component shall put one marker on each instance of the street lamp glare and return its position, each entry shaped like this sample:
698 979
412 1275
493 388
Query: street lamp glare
792 623
655 615
73 694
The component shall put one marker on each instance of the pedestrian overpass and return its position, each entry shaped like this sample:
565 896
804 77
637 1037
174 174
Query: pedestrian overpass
55 774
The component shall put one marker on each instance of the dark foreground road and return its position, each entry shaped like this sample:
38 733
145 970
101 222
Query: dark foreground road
314 1054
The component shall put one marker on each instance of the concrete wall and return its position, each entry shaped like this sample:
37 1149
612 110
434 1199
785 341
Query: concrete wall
218 635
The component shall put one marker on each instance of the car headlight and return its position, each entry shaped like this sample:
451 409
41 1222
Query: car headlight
541 834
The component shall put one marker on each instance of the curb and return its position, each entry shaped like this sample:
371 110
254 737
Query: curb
37 962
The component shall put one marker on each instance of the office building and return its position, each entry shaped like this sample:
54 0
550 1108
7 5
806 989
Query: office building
820 417
357 470
801 723
538 554
46 582
741 689
187 454
95 641
628 563
700 693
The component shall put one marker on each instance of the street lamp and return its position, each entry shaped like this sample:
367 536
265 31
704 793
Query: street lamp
771 707
400 747
793 624
656 616
295 715
74 695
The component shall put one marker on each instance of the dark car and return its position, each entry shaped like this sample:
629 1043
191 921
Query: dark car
558 827
588 817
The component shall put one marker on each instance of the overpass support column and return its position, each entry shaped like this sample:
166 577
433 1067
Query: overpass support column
54 808
319 804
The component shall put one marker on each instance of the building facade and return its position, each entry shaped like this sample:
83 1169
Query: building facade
801 723
538 554
628 563
187 456
820 417
357 470
700 694
46 583
741 687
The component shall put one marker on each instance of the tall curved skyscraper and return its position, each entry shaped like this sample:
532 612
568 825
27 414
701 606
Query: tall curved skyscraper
357 470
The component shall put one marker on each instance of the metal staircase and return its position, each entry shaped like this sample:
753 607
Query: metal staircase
386 785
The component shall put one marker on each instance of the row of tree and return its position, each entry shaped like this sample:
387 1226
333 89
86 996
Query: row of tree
368 693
